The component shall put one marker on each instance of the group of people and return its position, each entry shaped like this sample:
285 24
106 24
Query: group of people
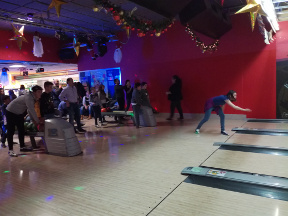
216 104
42 105
137 97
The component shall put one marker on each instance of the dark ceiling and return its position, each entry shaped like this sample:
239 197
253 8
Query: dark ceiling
78 16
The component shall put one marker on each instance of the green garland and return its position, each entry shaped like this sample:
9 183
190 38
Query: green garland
131 21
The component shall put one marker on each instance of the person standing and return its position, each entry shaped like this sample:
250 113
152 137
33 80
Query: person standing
46 102
6 101
103 98
145 96
15 112
217 104
175 96
119 92
136 103
70 96
56 91
129 91
95 102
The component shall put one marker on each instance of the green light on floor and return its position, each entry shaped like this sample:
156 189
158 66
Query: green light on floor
78 188
132 114
6 171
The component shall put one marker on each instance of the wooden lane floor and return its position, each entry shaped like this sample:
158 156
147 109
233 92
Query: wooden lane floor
267 164
123 170
191 199
259 140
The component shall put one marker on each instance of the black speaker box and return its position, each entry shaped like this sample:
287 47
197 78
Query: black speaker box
206 17
66 54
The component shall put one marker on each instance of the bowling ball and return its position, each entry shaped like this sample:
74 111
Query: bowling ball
30 126
26 126
103 110
34 128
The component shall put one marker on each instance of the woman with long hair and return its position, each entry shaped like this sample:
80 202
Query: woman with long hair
217 104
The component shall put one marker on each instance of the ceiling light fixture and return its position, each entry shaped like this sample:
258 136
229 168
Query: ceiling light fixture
25 20
17 66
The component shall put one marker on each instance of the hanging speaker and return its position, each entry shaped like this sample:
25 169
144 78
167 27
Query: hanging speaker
206 17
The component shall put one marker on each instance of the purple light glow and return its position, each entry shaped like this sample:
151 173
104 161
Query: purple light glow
49 198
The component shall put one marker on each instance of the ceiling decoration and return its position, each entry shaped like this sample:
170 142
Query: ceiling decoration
19 36
254 8
130 21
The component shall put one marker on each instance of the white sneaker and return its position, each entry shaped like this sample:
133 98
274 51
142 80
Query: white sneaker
197 131
12 154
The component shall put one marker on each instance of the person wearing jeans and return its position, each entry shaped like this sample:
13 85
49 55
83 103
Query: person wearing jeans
70 96
15 113
217 104
136 103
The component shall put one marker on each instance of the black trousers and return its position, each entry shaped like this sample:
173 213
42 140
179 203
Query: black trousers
121 103
97 113
128 101
176 104
136 111
12 121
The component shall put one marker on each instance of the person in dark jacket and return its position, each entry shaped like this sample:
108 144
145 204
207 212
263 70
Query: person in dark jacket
46 101
119 93
175 96
129 91
145 96
137 103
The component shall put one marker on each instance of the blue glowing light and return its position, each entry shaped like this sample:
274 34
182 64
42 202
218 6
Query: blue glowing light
49 198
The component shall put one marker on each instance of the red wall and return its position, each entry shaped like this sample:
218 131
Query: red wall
10 51
243 63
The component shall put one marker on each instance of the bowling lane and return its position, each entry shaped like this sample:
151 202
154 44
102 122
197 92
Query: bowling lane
268 164
190 199
266 125
259 140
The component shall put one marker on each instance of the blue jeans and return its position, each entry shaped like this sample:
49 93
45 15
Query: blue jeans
82 110
207 116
